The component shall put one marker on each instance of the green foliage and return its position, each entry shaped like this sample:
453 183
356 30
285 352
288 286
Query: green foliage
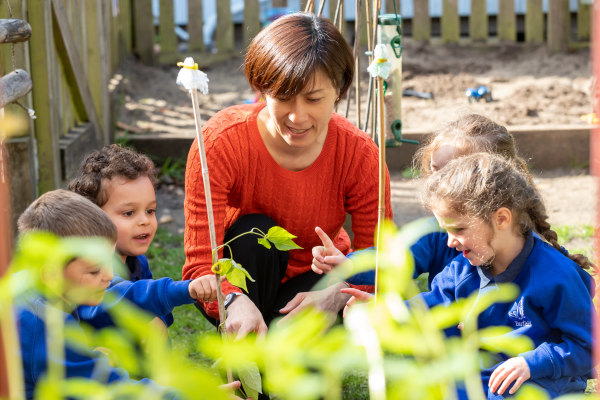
410 173
172 170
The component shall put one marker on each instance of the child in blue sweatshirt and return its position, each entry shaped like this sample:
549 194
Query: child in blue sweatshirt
471 133
121 182
491 210
65 213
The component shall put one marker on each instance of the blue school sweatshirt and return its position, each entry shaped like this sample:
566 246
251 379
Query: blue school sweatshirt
554 309
157 296
431 254
77 362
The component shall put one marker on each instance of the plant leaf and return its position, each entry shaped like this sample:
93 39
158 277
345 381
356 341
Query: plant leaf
251 380
223 266
237 275
264 242
281 238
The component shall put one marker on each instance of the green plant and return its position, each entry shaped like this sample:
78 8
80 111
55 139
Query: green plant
410 173
172 170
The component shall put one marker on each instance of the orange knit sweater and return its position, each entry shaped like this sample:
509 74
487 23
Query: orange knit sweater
245 179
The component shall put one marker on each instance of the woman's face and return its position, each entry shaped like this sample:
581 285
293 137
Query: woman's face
301 121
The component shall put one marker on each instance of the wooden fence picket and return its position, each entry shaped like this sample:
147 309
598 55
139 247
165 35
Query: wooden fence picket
224 31
194 28
478 21
584 20
450 21
421 23
534 22
507 21
251 25
558 25
166 32
143 31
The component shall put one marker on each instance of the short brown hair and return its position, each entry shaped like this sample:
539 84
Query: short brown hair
107 163
470 133
65 213
285 55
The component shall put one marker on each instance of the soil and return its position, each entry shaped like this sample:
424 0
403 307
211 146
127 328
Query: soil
529 85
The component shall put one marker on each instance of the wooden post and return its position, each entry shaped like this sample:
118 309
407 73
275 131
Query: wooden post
194 27
507 21
166 32
278 3
478 21
421 24
595 153
45 124
13 86
251 21
558 25
224 26
450 21
126 21
534 22
5 256
583 20
143 31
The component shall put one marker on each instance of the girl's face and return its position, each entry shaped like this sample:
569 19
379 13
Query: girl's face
302 121
472 236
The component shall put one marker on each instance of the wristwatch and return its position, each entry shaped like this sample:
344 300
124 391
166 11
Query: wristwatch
229 298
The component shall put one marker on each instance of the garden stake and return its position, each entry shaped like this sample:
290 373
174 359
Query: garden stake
380 69
192 79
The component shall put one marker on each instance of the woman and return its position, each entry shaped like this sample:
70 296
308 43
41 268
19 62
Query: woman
291 162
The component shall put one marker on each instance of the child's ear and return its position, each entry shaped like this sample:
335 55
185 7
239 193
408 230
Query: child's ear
502 218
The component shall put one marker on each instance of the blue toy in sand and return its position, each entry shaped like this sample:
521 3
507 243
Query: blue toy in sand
481 92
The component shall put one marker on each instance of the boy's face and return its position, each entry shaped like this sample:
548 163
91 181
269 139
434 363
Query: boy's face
85 282
131 206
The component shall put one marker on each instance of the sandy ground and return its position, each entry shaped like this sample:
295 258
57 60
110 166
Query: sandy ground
529 86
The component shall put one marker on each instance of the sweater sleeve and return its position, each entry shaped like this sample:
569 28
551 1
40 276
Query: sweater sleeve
362 195
221 157
566 306
157 296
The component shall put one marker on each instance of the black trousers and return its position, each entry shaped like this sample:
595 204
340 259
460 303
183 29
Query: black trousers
266 266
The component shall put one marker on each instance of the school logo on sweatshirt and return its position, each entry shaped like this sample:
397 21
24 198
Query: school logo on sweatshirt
517 314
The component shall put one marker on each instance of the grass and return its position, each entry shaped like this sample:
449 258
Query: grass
577 239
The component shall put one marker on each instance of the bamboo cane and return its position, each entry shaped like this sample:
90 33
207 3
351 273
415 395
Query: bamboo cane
192 83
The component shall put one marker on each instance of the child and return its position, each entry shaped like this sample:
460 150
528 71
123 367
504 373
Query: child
468 134
490 210
121 182
66 213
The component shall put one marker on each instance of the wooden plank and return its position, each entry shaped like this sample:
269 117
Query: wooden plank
450 21
278 3
534 22
78 142
143 31
251 21
41 44
166 28
507 21
421 24
224 30
115 32
478 21
74 62
194 27
558 25
584 20
104 17
126 21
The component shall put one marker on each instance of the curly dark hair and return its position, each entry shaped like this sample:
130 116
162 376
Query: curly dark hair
105 164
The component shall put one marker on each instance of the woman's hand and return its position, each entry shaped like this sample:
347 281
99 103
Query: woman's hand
512 370
325 257
329 299
244 317
357 295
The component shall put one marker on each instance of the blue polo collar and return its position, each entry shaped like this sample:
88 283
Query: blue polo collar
514 268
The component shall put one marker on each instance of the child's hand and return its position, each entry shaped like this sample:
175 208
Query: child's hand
512 370
232 387
325 257
357 295
204 288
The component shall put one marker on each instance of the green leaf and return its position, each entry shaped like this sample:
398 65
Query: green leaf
502 339
237 275
223 266
281 238
532 392
251 380
264 242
